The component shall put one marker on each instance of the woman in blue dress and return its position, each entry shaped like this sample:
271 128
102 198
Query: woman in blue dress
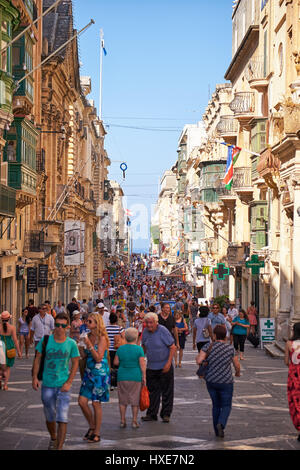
96 379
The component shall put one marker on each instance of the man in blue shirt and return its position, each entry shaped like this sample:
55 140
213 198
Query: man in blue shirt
216 316
159 347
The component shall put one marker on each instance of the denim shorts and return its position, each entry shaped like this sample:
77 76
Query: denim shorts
56 404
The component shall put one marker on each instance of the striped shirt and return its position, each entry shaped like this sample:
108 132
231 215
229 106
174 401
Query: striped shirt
219 363
113 330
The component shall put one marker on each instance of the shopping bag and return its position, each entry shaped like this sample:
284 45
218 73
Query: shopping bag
144 398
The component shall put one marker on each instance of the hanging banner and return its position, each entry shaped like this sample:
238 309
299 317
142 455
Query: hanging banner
105 231
82 239
74 241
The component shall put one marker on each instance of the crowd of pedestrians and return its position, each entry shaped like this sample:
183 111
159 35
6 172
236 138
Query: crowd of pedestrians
131 333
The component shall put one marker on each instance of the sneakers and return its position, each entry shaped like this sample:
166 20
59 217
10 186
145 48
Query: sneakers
166 419
52 444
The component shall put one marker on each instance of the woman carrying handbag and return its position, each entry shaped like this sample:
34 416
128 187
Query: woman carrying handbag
9 336
131 375
219 379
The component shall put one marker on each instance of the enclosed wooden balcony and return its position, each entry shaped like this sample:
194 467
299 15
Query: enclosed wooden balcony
7 201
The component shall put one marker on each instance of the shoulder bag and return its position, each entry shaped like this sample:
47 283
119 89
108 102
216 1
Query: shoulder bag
205 331
203 368
10 353
41 369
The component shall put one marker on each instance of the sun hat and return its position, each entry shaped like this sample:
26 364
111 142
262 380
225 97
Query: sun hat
5 315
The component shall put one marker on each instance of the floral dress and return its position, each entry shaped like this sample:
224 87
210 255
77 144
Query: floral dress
96 379
294 384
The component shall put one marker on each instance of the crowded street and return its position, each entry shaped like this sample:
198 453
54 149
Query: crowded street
259 419
259 401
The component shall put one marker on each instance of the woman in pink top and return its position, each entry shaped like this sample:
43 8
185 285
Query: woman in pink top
292 360
252 317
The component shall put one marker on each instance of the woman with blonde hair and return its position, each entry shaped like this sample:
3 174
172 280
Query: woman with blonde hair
96 379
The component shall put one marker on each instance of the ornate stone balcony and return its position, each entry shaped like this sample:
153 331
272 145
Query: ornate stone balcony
227 126
242 183
268 167
256 74
243 106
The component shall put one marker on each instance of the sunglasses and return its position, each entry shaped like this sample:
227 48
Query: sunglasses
62 325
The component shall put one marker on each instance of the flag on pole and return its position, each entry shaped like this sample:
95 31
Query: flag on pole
233 154
102 45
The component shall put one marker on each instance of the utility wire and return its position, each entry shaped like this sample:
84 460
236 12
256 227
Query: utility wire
158 129
145 118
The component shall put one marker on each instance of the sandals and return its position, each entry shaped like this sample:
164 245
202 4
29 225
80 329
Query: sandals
88 434
122 425
94 438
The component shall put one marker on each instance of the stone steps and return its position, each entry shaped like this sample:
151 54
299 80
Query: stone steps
275 349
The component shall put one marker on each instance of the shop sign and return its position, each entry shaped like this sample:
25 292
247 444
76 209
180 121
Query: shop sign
267 329
43 275
32 281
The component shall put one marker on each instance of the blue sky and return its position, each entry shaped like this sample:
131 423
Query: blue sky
163 57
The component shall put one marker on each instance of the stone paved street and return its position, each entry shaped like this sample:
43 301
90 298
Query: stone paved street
259 419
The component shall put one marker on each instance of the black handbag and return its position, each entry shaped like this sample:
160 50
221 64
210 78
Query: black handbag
41 368
113 377
203 368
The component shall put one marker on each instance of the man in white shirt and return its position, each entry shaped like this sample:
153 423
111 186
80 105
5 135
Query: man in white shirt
41 325
104 312
232 311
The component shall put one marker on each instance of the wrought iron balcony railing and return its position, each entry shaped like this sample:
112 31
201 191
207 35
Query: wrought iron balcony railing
34 241
40 162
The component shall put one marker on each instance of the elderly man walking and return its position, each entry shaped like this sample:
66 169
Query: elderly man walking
159 347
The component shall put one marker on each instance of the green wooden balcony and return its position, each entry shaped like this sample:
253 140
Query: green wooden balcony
7 201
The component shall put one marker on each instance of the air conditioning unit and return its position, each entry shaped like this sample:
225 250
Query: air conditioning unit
4 173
